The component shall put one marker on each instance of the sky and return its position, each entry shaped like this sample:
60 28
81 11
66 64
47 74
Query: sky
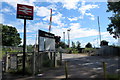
78 15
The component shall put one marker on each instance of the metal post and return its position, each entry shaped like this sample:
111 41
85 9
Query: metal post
54 61
24 47
64 37
68 37
99 29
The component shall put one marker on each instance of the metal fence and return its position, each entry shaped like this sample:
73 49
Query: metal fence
108 51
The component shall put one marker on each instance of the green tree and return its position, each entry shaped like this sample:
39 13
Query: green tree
61 44
104 42
114 26
73 45
88 45
78 45
10 36
30 48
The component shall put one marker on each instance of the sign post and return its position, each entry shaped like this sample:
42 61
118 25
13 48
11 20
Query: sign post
24 47
24 12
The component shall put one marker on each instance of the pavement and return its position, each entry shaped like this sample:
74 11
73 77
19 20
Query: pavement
78 66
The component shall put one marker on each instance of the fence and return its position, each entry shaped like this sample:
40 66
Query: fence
6 48
108 51
35 61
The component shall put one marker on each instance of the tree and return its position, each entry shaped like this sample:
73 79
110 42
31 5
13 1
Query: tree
30 48
10 36
88 45
103 43
61 44
78 45
114 26
73 45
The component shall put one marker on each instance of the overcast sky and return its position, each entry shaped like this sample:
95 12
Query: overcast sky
79 16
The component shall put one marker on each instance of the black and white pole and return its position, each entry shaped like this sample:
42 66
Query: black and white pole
24 47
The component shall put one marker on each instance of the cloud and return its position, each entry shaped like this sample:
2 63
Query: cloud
14 3
92 17
73 19
5 10
1 18
31 41
106 36
85 8
76 31
35 27
52 6
45 13
71 4
58 19
42 11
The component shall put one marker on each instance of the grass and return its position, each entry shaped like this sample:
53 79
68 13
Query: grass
1 54
113 77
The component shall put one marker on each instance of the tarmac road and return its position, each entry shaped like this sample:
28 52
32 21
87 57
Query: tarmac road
83 66
79 66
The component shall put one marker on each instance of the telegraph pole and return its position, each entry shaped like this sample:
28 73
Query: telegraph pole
99 29
68 37
64 37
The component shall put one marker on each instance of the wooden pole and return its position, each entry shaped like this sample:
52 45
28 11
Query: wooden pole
66 70
104 70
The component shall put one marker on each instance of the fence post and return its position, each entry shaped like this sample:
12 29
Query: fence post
51 59
66 70
7 64
60 58
34 71
104 70
54 61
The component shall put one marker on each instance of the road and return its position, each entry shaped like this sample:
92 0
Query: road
82 66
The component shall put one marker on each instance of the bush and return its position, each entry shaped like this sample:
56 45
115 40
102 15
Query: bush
88 50
72 50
